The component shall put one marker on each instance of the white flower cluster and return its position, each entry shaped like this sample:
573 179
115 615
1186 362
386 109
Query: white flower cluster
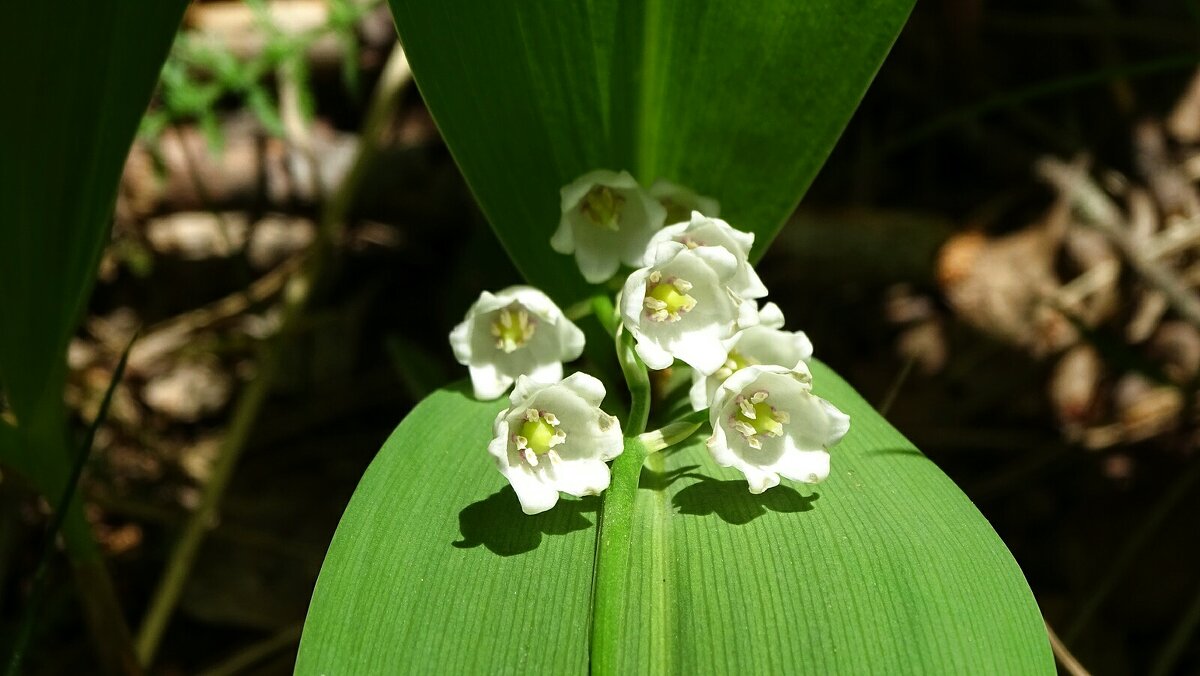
693 298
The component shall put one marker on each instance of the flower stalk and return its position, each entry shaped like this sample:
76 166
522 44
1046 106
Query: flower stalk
615 523
613 539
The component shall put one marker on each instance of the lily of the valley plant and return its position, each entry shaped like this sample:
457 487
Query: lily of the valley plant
693 298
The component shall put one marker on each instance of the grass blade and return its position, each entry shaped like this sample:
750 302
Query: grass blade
36 597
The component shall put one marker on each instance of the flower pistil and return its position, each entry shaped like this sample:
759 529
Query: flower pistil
602 206
539 434
668 300
754 418
513 327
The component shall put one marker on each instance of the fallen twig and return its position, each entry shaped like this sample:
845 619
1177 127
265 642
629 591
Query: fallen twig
297 292
1064 656
1100 212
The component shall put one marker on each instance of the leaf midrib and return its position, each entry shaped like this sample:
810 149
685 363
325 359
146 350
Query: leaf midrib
645 155
646 134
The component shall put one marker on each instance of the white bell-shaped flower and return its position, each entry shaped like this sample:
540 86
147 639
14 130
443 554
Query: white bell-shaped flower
764 343
680 202
680 306
553 438
702 230
767 423
607 220
514 332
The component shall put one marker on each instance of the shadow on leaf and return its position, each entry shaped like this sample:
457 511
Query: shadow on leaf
898 451
497 522
659 481
730 501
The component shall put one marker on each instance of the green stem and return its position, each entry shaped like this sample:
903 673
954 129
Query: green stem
606 314
674 432
296 297
638 381
611 581
89 568
610 584
179 566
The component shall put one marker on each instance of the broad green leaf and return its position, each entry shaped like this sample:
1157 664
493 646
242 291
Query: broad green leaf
434 568
885 568
740 101
77 79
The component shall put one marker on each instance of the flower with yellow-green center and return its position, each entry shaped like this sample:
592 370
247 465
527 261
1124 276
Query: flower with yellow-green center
767 423
680 306
555 438
607 219
514 332
703 230
764 343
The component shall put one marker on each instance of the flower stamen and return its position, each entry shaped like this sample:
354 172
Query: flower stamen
756 418
667 300
734 363
602 207
512 328
539 435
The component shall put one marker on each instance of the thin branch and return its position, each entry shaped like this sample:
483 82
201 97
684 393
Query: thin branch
897 385
37 596
1100 212
297 293
170 335
245 659
1125 558
1064 656
1177 643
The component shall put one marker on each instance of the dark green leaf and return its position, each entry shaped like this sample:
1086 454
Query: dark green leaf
740 101
77 80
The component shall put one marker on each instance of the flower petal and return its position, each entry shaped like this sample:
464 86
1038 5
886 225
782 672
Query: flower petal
646 217
666 191
563 239
721 260
586 386
550 372
670 233
839 423
460 341
581 477
770 316
699 393
571 338
655 357
536 496
759 480
809 467
597 263
706 356
488 382
574 191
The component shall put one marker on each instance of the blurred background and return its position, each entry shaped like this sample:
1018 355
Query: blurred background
1001 253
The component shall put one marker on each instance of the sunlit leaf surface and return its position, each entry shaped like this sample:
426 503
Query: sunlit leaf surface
885 568
435 569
